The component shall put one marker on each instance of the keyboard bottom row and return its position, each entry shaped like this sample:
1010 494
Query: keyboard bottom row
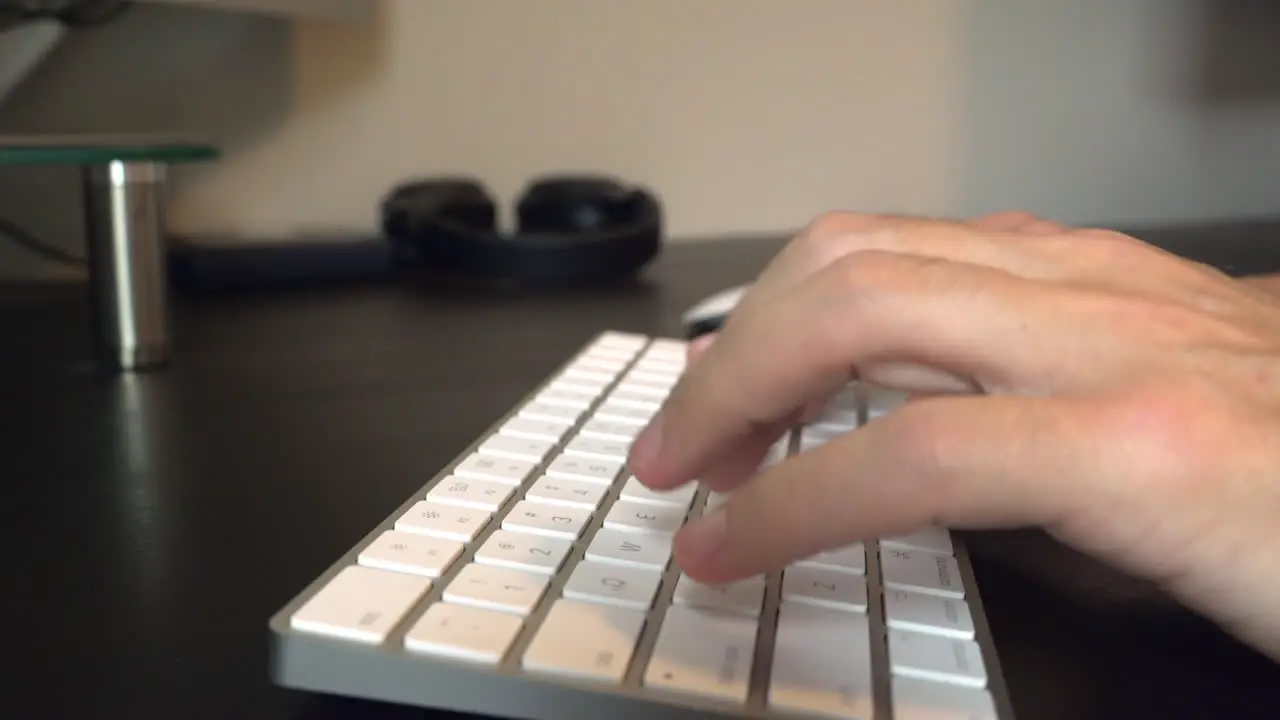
819 662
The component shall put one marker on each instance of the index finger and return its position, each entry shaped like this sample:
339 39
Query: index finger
973 323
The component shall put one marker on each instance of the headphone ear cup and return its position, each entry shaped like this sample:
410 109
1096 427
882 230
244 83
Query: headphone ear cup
574 204
411 208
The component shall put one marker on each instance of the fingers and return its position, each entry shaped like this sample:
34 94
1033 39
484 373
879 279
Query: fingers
835 236
963 462
971 326
1018 222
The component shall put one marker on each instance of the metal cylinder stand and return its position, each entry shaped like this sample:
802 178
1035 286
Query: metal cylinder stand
124 214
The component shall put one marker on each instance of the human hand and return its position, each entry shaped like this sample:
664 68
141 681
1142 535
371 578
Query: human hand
1124 400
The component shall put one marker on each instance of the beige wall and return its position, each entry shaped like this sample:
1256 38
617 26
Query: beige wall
747 115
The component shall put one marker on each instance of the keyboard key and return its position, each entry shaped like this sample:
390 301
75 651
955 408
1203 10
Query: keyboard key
932 657
933 539
596 377
822 664
825 588
743 597
464 633
703 653
680 498
466 492
607 430
714 500
576 468
664 379
922 572
597 449
623 414
522 551
882 400
851 558
636 517
550 413
548 520
496 588
497 469
444 521
603 364
923 700
604 352
640 401
613 584
514 448
585 641
410 553
633 387
361 604
628 548
623 340
523 427
593 386
567 493
928 614
566 397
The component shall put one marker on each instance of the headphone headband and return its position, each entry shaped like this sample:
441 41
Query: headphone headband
571 229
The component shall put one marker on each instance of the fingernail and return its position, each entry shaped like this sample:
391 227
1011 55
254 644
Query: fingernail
647 445
703 537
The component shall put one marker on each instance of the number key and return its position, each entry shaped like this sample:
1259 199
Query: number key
522 551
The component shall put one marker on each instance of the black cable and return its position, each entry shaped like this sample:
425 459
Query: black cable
13 232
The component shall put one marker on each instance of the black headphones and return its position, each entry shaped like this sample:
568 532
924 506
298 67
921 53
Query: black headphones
571 230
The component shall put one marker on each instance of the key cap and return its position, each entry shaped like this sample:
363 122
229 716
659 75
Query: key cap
822 664
703 653
640 401
628 548
623 414
585 641
613 584
660 365
714 500
547 520
657 378
620 339
496 588
443 521
466 492
596 449
743 597
567 493
937 658
523 427
361 604
588 375
632 387
513 448
933 539
679 498
550 413
522 551
464 633
410 553
851 559
825 588
482 467
602 364
921 572
604 352
635 517
574 383
923 700
576 468
566 398
928 614
882 400
606 430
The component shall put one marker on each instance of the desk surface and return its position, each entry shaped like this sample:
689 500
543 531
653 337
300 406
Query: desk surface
154 523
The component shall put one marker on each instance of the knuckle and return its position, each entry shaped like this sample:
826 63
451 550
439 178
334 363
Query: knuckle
833 234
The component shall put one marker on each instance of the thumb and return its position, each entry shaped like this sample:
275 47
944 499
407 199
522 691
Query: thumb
957 461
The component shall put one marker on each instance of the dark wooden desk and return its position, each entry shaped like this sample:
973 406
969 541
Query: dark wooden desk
152 524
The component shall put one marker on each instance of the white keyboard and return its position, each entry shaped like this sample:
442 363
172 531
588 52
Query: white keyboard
532 578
